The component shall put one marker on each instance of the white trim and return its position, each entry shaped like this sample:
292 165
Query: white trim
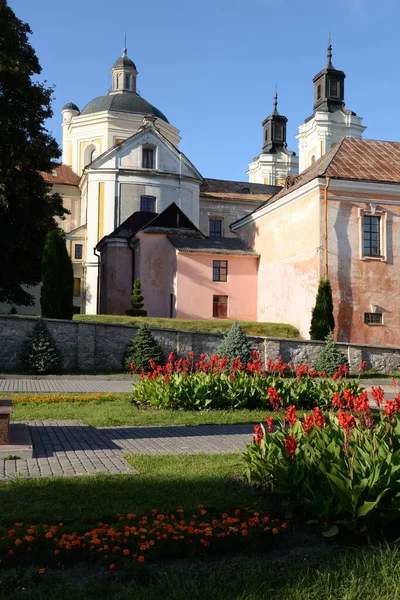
304 190
364 212
380 200
361 186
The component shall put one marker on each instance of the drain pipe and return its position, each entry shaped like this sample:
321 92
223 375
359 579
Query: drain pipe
328 180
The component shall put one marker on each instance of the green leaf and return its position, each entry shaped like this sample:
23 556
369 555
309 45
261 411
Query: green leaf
334 530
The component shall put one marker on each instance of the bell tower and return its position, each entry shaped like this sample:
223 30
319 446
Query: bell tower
330 121
275 162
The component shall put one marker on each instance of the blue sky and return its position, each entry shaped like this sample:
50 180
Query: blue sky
212 66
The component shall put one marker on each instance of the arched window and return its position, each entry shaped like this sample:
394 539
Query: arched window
94 154
127 82
90 154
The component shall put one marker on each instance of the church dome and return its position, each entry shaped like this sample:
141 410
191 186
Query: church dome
128 102
124 61
70 106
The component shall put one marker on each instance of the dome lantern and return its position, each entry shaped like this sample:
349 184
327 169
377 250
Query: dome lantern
124 74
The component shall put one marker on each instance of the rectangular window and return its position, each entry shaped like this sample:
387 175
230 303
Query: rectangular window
220 307
371 235
373 318
77 286
215 227
148 203
335 88
148 158
220 270
78 251
319 92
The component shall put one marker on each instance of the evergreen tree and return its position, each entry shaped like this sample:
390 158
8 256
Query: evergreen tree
40 353
322 321
27 208
135 310
235 345
330 357
56 294
143 348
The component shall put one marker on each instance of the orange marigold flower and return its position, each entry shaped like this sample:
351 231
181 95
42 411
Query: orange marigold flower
18 542
11 552
204 542
126 552
274 531
56 552
18 524
112 566
284 525
42 570
200 506
140 559
244 532
48 535
203 512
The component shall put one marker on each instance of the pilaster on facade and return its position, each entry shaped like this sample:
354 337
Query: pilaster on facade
273 169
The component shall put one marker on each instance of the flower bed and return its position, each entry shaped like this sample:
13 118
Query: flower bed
139 539
341 467
187 384
57 398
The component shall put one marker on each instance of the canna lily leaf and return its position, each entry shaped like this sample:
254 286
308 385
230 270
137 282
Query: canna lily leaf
334 530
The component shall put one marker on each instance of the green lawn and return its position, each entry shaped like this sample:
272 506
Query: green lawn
122 412
211 325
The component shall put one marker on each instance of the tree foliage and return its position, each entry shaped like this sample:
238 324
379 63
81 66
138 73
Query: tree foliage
330 357
322 321
143 348
136 307
27 208
235 345
40 353
56 294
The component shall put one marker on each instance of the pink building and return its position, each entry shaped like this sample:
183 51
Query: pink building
183 273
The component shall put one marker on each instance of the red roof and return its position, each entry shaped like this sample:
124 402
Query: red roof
61 174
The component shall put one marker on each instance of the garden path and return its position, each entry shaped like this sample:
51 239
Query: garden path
68 448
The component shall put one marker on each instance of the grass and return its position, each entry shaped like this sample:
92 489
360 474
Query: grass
122 412
210 325
306 574
164 482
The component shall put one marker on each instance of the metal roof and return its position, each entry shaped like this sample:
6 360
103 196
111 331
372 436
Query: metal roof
213 245
129 102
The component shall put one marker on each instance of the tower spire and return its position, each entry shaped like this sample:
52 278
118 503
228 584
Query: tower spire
275 111
329 55
125 51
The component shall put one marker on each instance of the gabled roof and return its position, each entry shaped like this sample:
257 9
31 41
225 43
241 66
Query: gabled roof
237 190
61 174
213 245
352 159
173 221
133 224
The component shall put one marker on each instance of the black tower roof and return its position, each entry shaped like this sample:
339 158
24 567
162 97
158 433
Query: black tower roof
274 131
329 87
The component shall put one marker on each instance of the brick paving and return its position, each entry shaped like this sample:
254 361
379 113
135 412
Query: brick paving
68 448
78 385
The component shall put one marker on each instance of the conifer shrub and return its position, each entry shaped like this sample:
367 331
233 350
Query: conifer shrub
330 357
136 307
142 349
56 294
40 353
322 321
235 345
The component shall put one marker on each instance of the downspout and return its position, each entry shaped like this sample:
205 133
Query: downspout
328 180
98 279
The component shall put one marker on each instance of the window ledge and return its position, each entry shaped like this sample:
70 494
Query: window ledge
374 258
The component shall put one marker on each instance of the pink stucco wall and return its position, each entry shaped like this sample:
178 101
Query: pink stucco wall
196 288
116 280
155 265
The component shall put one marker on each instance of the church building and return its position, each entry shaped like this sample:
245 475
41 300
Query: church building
211 248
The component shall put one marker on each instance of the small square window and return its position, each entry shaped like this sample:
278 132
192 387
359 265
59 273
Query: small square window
220 270
220 307
78 251
148 158
77 286
373 318
215 227
371 235
148 203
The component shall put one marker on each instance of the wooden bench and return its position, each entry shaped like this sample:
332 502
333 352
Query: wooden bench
5 412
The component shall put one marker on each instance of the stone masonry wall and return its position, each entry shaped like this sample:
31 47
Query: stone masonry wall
90 347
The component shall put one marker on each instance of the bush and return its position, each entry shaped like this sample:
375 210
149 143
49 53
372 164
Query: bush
56 294
322 321
135 310
188 385
342 469
141 350
330 357
40 353
235 345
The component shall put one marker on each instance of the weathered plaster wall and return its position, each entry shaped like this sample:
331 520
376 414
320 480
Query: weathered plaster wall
228 211
357 282
195 286
100 347
287 238
155 265
116 279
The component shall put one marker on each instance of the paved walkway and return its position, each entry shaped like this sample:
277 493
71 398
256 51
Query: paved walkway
80 384
65 448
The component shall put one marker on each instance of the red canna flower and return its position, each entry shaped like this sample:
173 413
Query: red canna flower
346 420
337 400
318 417
290 445
378 395
274 398
171 357
363 366
191 355
390 408
270 424
291 417
349 398
308 423
258 434
255 354
361 403
132 367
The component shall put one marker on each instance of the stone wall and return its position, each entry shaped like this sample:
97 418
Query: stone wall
88 346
